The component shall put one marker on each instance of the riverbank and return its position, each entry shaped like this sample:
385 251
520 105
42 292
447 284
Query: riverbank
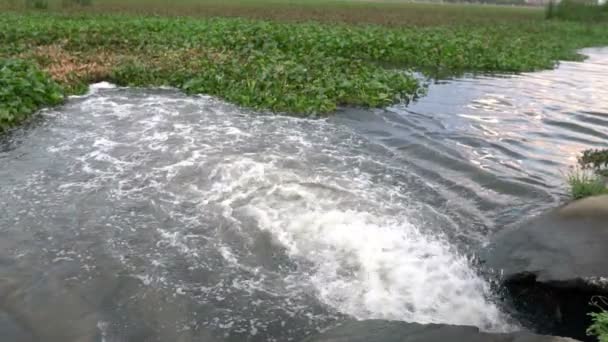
296 68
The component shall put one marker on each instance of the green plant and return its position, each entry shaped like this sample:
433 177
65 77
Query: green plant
599 326
296 68
590 178
582 184
23 90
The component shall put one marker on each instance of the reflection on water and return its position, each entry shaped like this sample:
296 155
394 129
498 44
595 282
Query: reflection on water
495 141
148 215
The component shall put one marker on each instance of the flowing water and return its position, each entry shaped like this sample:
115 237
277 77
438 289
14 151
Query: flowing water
149 215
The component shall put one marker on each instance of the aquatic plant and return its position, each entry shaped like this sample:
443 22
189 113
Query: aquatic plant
296 68
23 90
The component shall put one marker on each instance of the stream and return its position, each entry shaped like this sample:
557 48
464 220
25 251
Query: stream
150 215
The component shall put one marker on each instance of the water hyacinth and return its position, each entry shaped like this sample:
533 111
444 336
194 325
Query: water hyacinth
23 90
295 68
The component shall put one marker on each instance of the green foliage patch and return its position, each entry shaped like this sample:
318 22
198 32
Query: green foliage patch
599 326
23 90
590 178
297 68
583 184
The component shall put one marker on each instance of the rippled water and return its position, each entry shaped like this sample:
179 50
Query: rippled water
143 215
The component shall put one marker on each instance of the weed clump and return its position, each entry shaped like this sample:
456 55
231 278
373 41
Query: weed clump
583 184
599 326
23 90
590 178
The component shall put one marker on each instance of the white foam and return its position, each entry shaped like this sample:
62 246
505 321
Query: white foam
103 330
374 266
348 231
94 89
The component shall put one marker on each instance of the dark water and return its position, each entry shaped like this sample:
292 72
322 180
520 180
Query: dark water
149 215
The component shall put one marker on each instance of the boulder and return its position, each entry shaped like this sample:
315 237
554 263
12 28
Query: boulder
396 331
554 264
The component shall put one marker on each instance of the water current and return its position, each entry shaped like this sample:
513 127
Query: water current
150 215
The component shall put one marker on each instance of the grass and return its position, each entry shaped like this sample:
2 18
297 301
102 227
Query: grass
284 64
583 184
590 178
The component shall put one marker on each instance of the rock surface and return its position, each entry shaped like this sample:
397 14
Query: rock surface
396 331
11 330
555 263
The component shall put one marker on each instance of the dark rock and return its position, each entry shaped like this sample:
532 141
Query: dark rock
554 264
11 330
396 331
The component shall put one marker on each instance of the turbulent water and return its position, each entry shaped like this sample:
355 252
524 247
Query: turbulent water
143 215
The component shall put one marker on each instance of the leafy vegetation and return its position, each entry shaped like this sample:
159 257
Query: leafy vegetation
590 179
583 184
577 10
24 89
599 327
299 68
313 83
